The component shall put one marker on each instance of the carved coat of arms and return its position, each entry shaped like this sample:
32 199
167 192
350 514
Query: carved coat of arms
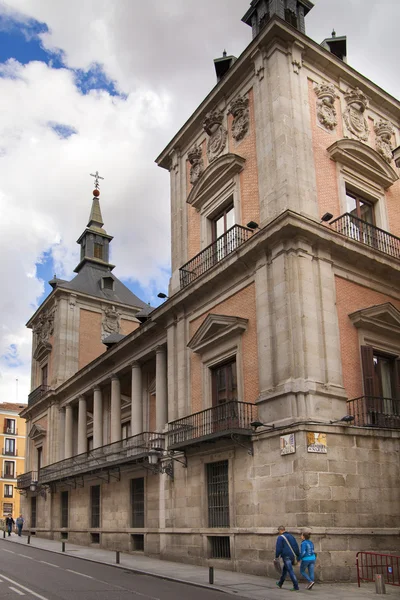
212 125
356 123
326 111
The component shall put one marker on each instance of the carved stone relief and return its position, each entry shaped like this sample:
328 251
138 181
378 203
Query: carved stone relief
195 157
44 327
326 111
239 108
356 123
111 322
383 142
212 125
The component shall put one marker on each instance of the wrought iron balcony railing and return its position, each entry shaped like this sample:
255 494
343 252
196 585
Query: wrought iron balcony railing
129 450
219 421
214 253
8 452
25 480
371 411
367 234
6 475
10 430
37 394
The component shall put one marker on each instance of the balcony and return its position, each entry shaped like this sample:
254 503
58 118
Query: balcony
371 411
10 430
367 234
214 253
224 420
37 394
6 475
10 452
131 450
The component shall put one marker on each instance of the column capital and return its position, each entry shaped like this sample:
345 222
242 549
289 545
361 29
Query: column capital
97 388
135 365
114 376
162 349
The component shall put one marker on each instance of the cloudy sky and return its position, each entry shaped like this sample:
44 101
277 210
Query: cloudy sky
103 85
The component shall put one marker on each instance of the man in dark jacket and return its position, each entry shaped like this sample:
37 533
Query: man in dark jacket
288 549
9 524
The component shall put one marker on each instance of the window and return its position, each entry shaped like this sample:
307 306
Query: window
64 509
137 542
107 283
44 374
39 452
218 494
95 505
9 426
224 383
360 208
8 508
381 376
220 547
9 469
263 21
125 430
98 251
9 447
137 502
33 511
291 17
223 222
8 491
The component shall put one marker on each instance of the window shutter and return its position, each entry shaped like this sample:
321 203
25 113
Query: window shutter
367 361
397 377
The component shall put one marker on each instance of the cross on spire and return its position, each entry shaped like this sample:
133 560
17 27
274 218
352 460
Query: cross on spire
96 179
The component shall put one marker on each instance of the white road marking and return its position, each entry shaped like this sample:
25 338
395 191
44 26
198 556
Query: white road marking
77 573
50 564
25 588
15 590
9 551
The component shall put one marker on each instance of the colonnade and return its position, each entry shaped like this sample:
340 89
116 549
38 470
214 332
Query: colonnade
115 424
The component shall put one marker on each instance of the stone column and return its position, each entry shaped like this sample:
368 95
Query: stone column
82 425
69 416
97 418
61 429
136 400
161 388
115 409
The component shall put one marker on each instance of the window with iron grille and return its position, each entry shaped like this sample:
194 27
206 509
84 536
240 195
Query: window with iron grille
137 502
8 508
220 547
95 505
218 494
137 542
64 509
33 511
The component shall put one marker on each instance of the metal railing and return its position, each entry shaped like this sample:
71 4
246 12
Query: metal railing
6 475
365 233
8 452
229 417
25 480
214 253
10 430
37 394
373 411
125 451
370 564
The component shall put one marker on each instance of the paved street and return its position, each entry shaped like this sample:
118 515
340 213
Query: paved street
40 570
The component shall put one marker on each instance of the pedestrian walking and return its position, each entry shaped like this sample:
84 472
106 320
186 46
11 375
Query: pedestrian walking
19 523
9 524
308 558
287 548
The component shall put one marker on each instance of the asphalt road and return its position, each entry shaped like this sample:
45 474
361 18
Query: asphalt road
33 573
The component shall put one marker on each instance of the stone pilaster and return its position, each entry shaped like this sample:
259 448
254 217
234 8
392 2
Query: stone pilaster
69 421
161 388
136 400
82 425
97 418
115 409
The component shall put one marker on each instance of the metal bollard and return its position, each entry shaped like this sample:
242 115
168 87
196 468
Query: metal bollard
380 585
4 533
28 540
62 546
211 575
117 557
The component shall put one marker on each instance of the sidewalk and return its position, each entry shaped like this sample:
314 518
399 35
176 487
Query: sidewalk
231 582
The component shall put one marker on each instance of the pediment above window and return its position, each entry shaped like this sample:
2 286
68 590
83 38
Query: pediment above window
42 350
217 174
383 318
214 329
363 159
37 432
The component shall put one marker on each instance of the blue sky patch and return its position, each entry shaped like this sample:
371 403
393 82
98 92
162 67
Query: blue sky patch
11 358
63 131
94 79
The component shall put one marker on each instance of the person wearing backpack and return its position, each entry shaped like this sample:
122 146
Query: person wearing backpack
288 549
308 558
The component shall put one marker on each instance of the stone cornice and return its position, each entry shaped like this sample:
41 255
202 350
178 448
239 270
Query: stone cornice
217 174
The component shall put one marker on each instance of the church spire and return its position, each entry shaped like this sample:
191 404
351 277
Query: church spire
95 241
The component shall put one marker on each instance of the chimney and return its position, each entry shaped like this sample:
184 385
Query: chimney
223 64
292 11
336 45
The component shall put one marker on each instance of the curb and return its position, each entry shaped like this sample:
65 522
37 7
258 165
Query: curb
132 569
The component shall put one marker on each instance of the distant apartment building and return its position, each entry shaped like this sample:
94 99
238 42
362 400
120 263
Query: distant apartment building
266 388
12 444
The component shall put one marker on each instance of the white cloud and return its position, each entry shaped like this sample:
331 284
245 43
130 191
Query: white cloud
159 54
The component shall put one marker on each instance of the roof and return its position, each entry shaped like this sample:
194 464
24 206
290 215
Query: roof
88 281
113 338
14 406
144 313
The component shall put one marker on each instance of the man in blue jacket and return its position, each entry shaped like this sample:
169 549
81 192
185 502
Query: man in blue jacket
288 549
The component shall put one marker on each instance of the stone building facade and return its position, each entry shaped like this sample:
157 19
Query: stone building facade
266 389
